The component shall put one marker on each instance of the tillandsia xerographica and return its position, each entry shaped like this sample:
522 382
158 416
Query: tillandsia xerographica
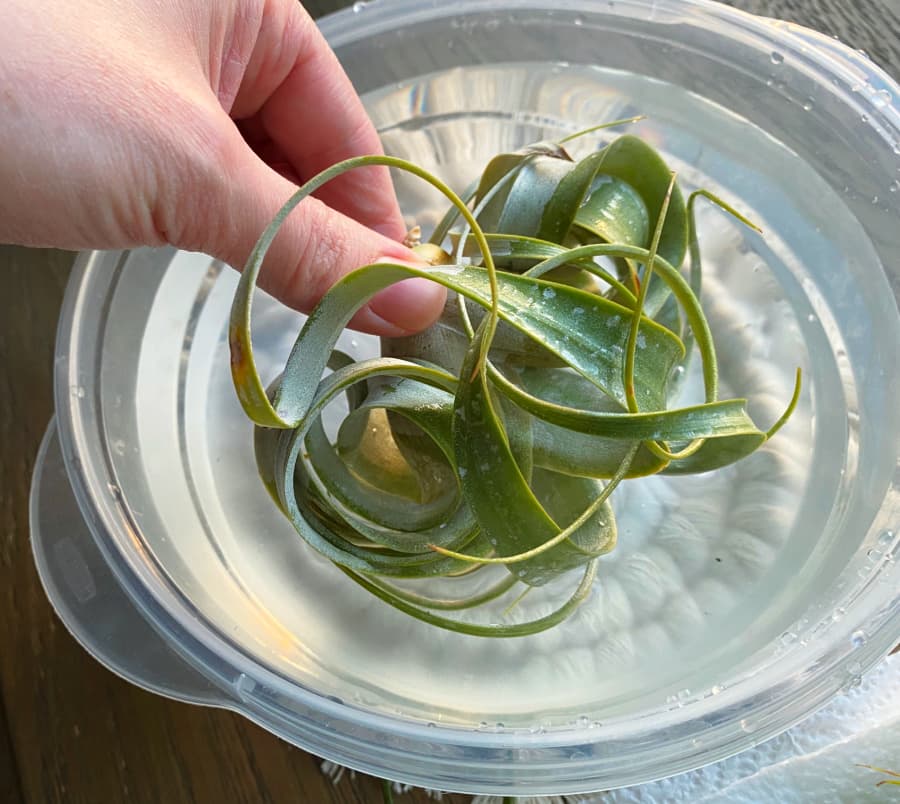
498 435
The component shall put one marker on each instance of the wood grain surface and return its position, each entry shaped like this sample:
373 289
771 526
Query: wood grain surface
69 730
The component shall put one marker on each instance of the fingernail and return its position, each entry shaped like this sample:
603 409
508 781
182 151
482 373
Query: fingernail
389 229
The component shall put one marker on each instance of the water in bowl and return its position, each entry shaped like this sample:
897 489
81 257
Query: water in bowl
711 571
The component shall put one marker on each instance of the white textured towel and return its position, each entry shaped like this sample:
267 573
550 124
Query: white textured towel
820 760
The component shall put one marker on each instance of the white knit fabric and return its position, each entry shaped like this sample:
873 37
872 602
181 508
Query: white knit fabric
818 761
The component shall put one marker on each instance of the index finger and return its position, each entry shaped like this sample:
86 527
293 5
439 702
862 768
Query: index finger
306 104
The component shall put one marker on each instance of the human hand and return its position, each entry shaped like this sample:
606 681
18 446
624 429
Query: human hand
118 130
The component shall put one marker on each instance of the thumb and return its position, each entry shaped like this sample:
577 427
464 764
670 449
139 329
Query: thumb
314 248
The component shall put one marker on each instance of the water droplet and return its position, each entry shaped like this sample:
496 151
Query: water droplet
769 82
852 683
77 391
549 293
881 98
583 721
858 639
716 689
811 318
483 725
684 694
748 726
776 57
895 186
886 537
874 554
431 725
671 700
118 446
788 638
875 199
808 105
114 491
359 5
354 343
578 21
838 614
864 118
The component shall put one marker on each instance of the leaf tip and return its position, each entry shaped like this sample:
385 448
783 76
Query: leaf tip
792 405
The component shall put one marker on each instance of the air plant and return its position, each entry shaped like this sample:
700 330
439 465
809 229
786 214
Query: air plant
497 436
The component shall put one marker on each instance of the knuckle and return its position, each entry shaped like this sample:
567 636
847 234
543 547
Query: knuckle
324 252
192 182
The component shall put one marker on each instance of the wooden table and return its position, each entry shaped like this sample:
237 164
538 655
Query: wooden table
69 730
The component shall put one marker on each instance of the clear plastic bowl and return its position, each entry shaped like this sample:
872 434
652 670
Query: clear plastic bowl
735 604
